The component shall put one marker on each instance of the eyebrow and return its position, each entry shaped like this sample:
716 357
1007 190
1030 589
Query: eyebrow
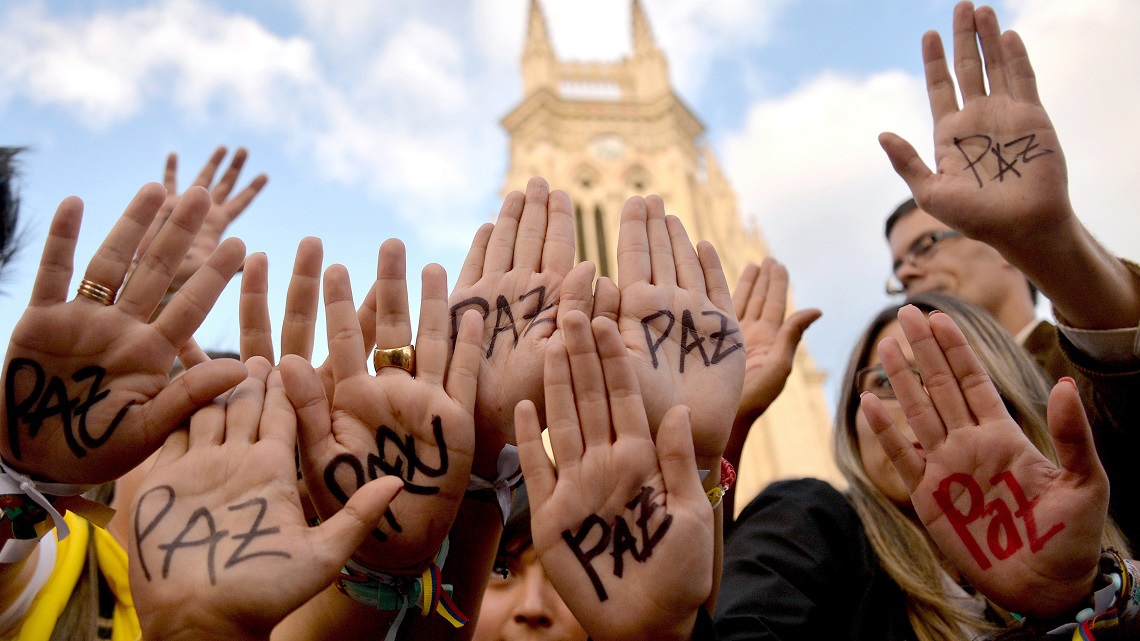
898 261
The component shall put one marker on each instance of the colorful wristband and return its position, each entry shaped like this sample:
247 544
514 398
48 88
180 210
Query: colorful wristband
384 591
727 478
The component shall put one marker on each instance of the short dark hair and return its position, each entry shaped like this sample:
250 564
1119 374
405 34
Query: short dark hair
902 210
910 205
9 204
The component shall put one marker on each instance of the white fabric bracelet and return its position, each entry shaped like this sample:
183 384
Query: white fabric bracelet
44 567
509 476
13 482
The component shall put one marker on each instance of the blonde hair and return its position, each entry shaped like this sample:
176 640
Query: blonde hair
902 546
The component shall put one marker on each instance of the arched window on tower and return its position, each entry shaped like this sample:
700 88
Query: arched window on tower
603 255
580 232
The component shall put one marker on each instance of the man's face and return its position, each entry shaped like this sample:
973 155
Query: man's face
925 260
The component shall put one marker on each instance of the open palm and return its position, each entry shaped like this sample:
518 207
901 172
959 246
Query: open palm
1000 169
518 276
419 428
85 384
623 531
219 541
1024 531
676 318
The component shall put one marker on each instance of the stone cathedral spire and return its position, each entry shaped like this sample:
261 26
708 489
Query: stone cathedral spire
604 131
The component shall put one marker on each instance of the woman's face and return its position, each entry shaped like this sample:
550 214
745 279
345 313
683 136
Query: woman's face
875 462
525 606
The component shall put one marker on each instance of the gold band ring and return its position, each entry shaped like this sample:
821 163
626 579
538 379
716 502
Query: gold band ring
401 357
96 292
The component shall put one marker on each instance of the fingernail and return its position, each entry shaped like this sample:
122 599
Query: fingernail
1069 380
937 311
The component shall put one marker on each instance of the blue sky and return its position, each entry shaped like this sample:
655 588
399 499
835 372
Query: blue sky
380 119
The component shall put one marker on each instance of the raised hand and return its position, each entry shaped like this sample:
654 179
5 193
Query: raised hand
677 319
770 339
301 302
223 209
419 428
518 276
1023 531
623 529
219 545
86 396
1000 170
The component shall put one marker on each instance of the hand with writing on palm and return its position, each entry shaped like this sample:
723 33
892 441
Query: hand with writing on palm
219 545
676 318
518 275
1025 532
223 209
1000 169
419 428
86 394
623 529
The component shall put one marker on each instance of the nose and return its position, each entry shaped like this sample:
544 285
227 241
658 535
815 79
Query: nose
534 608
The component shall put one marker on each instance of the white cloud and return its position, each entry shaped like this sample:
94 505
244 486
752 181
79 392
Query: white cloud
105 67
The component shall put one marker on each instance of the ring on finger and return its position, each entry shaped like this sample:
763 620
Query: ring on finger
402 357
96 292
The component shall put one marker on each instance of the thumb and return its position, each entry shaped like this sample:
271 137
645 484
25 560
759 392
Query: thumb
337 538
576 294
199 385
906 162
792 331
1072 436
676 456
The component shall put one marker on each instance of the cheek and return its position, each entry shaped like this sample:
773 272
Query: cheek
494 612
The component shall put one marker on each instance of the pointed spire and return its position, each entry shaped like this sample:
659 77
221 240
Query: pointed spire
642 34
539 67
537 39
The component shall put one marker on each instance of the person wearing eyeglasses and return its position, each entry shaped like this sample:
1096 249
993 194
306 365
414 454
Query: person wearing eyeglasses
994 223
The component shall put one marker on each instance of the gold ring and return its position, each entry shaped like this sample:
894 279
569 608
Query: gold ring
402 357
96 292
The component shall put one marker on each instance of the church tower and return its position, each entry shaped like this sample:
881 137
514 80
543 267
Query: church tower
604 131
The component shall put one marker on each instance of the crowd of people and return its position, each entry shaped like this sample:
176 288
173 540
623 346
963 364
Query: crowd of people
551 454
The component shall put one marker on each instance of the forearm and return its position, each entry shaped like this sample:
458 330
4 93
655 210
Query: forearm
333 616
474 544
1089 286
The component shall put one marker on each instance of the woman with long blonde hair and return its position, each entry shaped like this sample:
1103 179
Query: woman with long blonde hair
806 561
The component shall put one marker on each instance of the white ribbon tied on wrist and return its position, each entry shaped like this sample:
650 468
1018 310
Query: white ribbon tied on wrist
509 476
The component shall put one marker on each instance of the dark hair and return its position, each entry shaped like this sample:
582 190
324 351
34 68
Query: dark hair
903 209
516 536
9 204
910 205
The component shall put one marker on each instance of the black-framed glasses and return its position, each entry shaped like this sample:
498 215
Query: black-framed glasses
874 379
921 251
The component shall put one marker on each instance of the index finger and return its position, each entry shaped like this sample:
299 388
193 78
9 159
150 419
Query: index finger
229 176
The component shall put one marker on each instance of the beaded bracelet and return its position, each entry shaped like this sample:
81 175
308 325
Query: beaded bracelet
727 478
384 591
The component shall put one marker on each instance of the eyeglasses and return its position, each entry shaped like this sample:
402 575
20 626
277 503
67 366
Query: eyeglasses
921 251
874 379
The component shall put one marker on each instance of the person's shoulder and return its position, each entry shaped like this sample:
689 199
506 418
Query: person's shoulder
804 495
801 509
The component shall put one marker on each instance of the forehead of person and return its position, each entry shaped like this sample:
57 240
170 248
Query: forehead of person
961 267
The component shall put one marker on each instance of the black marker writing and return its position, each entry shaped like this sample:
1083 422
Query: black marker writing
1006 163
691 338
211 538
405 464
623 538
48 398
